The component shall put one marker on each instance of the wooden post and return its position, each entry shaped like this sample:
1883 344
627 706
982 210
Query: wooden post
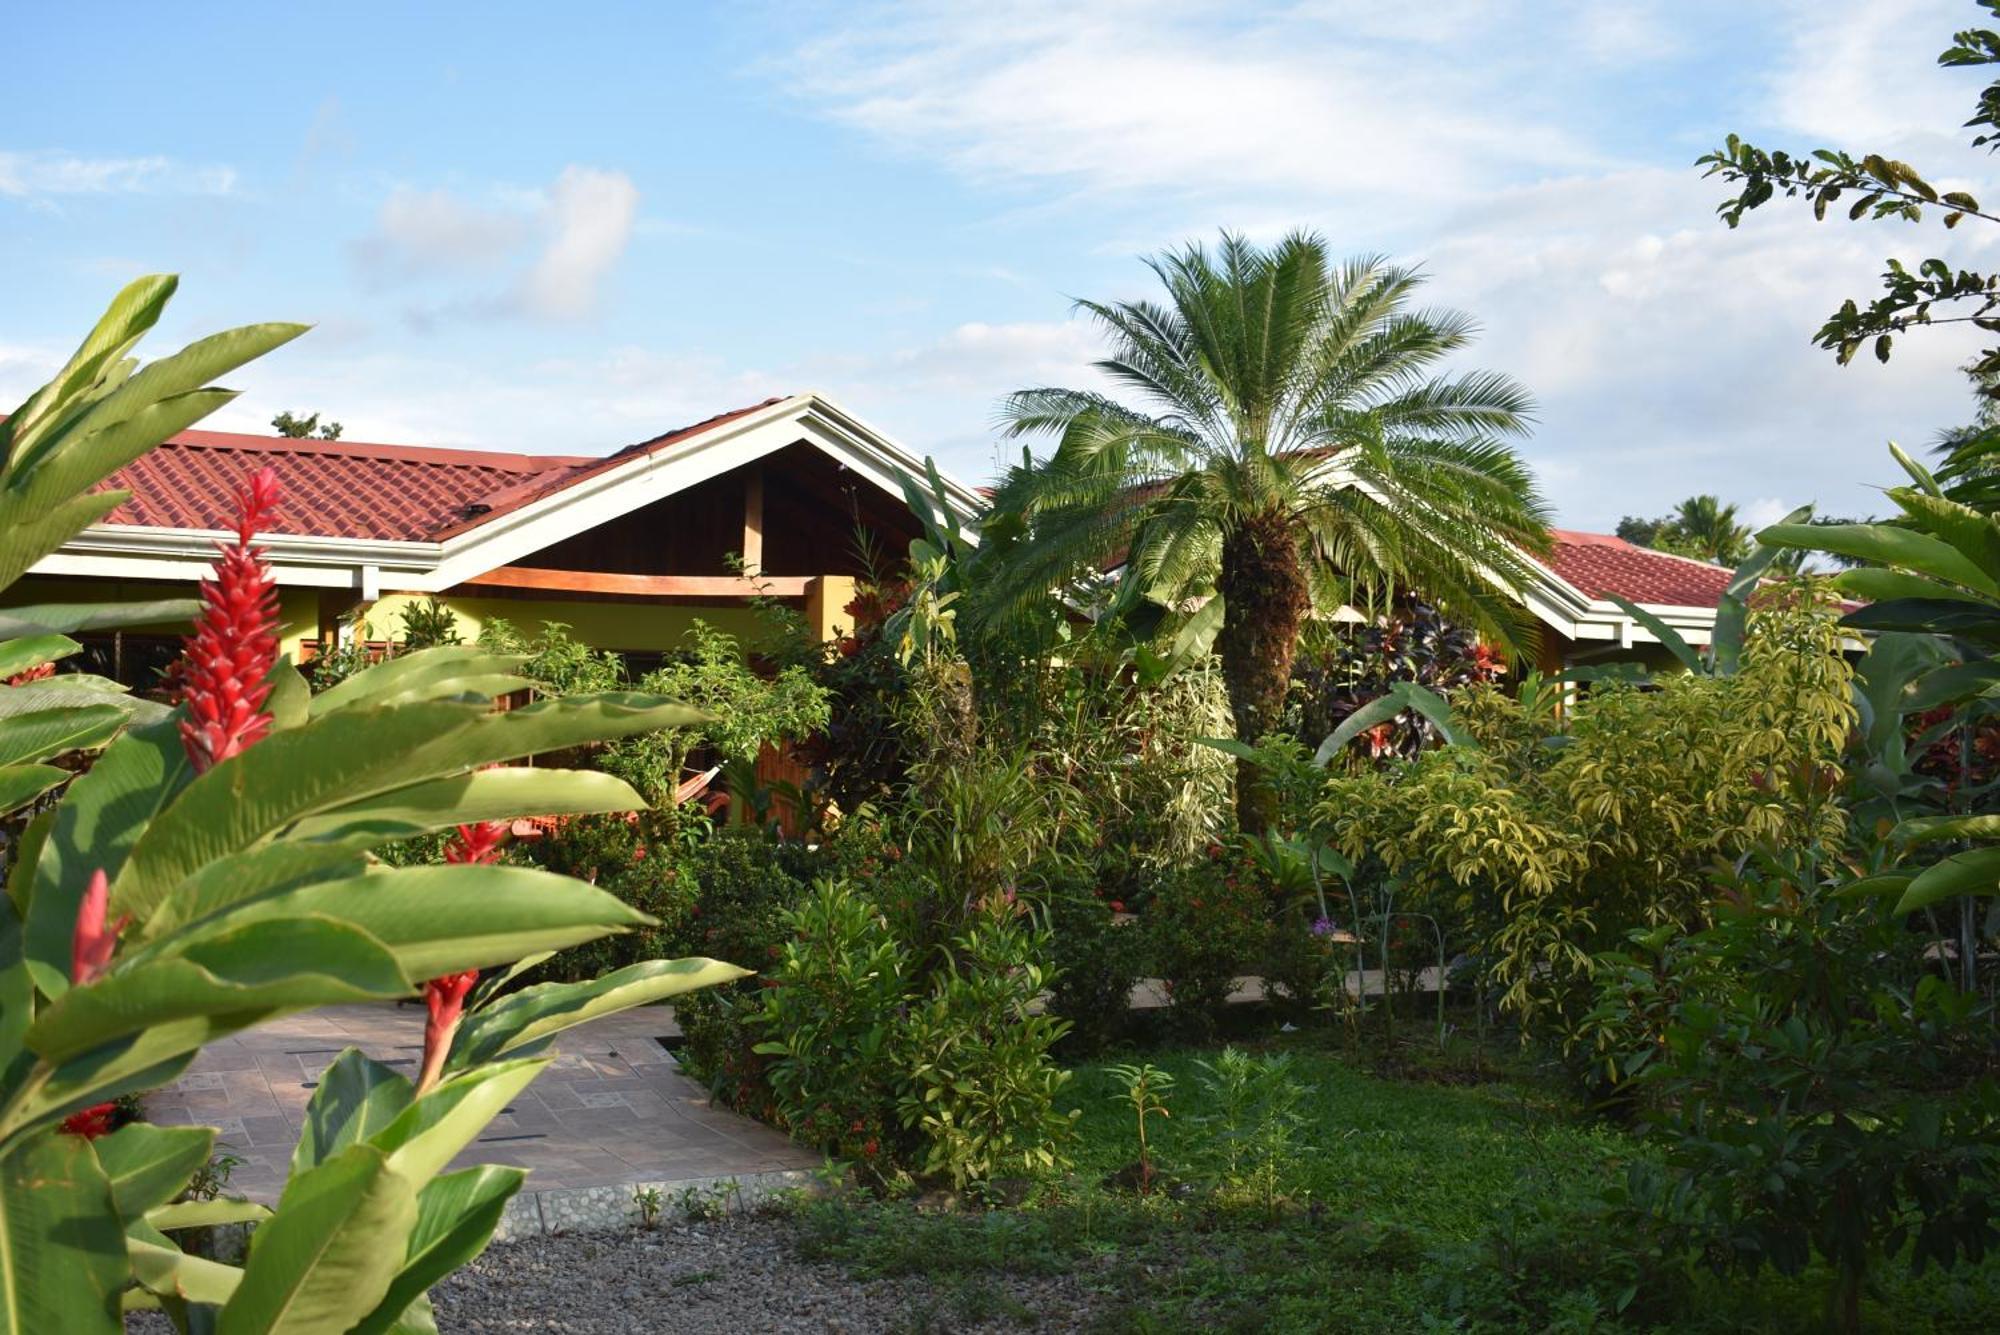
753 520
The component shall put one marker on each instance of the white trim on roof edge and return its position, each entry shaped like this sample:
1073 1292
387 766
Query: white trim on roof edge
134 551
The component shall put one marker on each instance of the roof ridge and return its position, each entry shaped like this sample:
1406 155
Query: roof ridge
436 455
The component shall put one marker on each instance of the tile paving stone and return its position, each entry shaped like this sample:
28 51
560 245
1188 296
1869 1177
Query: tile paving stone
611 1114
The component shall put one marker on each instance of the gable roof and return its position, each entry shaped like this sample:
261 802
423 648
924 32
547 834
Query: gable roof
351 489
366 516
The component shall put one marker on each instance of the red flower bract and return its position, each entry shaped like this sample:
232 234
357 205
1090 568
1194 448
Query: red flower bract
235 642
476 843
91 1122
92 944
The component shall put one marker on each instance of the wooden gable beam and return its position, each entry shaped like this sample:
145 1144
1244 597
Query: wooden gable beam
642 586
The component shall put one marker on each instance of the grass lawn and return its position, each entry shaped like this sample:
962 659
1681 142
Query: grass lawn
1449 1198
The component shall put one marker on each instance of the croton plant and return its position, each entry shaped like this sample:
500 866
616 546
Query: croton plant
177 874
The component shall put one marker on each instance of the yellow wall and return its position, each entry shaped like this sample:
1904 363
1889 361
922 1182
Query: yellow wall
633 627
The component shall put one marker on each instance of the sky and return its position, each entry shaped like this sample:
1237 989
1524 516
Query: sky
518 231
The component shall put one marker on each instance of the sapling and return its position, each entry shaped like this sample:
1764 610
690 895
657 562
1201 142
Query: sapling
1144 1088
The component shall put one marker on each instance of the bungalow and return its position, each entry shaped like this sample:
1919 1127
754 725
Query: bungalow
780 500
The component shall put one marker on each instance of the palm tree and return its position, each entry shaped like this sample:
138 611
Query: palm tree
1703 526
1290 445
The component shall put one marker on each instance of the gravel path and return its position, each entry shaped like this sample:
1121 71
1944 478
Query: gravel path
733 1275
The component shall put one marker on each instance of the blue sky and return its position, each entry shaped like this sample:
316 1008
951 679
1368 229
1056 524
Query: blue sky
515 232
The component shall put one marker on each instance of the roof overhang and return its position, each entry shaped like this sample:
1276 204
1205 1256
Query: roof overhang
369 566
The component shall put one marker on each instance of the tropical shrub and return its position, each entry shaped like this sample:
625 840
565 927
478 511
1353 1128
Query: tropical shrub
1342 665
614 853
1205 928
747 712
1095 961
1805 1079
1554 833
979 1087
831 1016
212 870
898 1068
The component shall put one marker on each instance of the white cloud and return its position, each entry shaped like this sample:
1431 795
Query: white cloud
1191 99
590 217
39 175
1857 72
421 233
541 253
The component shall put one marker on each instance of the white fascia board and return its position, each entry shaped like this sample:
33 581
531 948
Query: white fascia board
646 478
133 551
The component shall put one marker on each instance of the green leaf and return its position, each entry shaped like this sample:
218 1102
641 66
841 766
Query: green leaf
492 794
53 732
536 1014
31 651
1973 873
148 1165
328 1256
429 1133
164 1269
1931 829
1902 548
1878 585
353 756
356 1098
77 690
1952 684
1229 746
439 920
1381 709
456 1216
22 784
68 618
207 1214
278 964
433 673
62 1252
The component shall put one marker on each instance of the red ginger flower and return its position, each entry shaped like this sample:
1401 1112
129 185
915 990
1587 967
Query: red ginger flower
229 657
91 1122
36 673
476 843
445 997
93 943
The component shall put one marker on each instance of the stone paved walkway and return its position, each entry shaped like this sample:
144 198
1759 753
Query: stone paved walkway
611 1113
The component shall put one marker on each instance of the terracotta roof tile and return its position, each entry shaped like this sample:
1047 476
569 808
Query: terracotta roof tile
1599 564
351 489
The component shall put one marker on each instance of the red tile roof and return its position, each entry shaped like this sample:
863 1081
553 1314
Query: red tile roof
351 489
1599 564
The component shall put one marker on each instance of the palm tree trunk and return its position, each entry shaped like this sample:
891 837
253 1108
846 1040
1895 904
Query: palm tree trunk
1264 592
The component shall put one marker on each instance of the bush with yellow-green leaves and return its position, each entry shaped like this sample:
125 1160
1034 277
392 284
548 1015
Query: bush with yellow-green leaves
1567 821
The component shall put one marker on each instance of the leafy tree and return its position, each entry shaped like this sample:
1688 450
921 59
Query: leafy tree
304 428
1290 440
1874 186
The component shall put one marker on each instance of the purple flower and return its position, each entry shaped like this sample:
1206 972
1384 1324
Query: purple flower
1322 926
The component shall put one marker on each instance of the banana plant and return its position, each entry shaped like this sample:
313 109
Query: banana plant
1932 580
211 868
